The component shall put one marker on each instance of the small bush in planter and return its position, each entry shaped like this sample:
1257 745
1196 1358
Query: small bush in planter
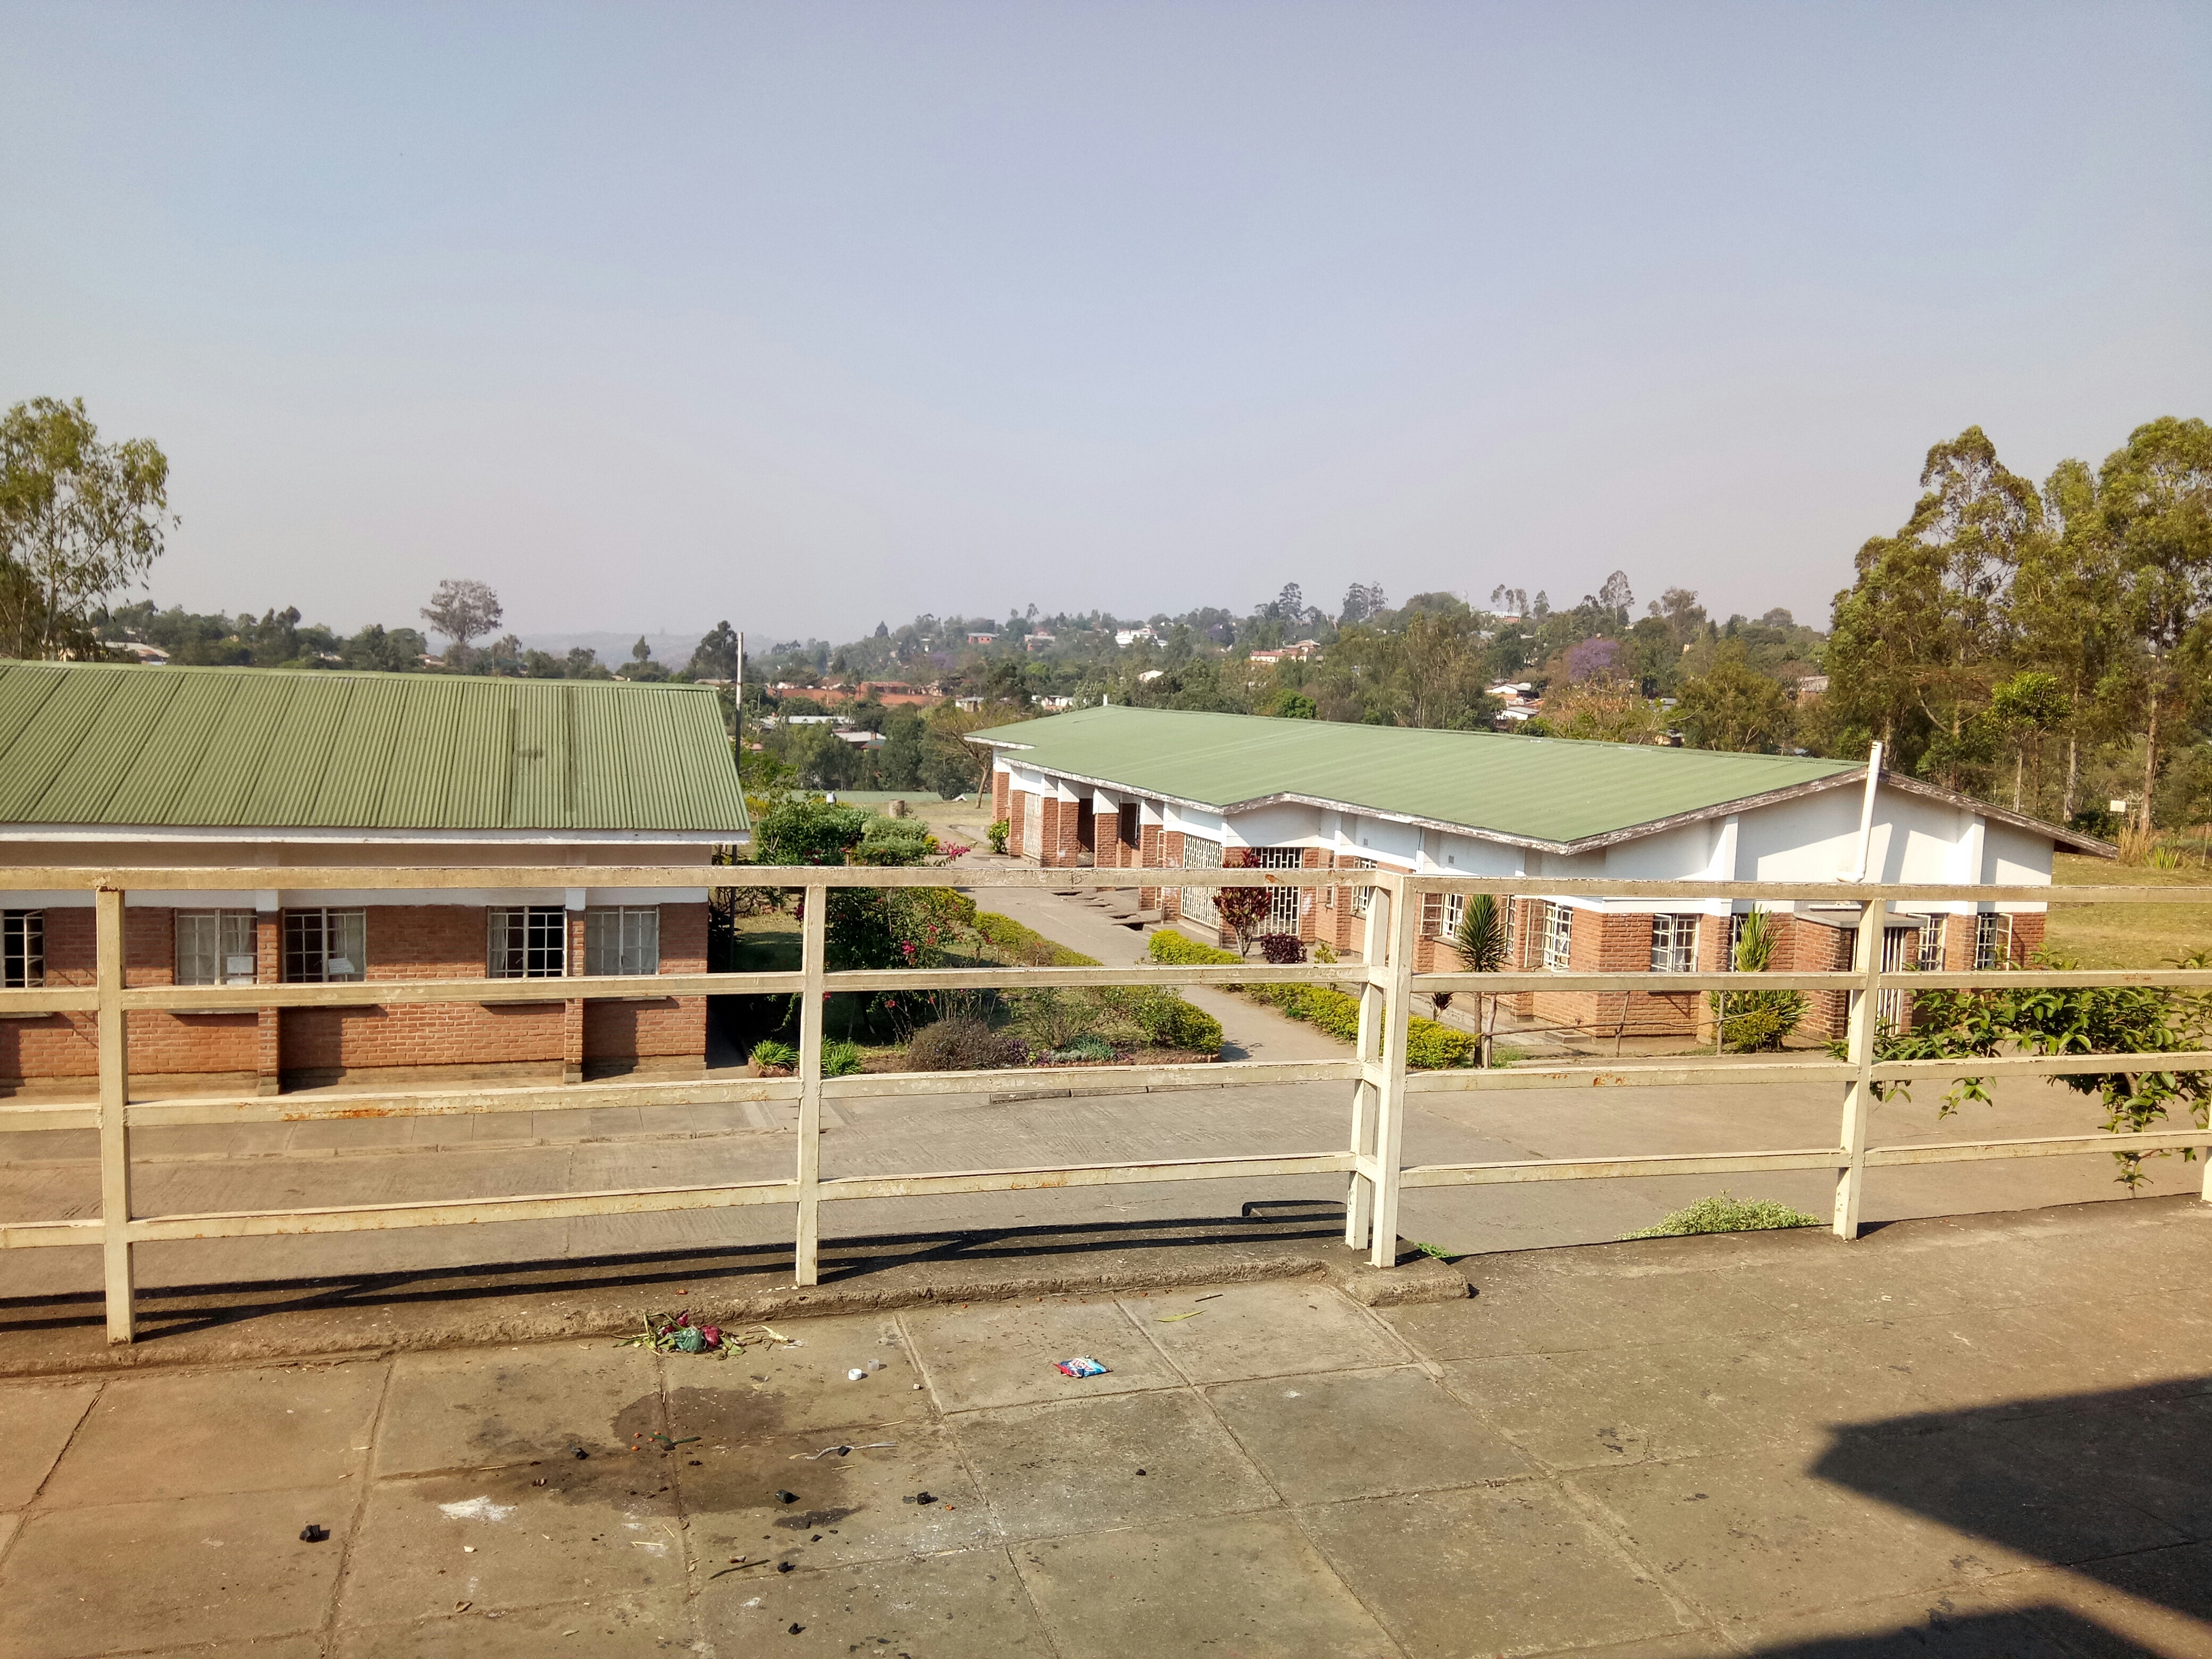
839 1058
1284 949
772 1053
1169 1022
961 1044
1085 1048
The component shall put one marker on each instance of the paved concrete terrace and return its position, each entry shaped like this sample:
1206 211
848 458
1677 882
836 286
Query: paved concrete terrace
1991 1436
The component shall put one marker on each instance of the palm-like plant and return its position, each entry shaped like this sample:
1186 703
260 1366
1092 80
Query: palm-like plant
1480 943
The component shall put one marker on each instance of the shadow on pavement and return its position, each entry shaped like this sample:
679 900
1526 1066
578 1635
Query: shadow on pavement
173 1311
2023 1632
2115 1487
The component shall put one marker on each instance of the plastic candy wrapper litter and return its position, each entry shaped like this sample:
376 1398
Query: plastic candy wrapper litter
1081 1365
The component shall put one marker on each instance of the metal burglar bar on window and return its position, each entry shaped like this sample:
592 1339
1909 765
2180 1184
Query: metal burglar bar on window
1198 902
529 944
325 947
22 949
1559 935
1992 942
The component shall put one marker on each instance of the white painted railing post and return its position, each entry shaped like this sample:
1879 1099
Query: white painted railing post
1390 1098
1359 1190
1859 1093
813 947
114 1131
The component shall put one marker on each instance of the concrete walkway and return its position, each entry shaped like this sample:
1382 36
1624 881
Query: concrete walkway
1989 1439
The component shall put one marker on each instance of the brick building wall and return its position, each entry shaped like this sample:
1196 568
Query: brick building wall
305 1046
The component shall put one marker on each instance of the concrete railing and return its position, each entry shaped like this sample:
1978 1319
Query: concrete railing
1371 1158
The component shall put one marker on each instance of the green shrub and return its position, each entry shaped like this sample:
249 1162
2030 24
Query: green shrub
1169 1022
997 834
1083 1047
1168 945
772 1053
1725 1214
839 1058
1028 944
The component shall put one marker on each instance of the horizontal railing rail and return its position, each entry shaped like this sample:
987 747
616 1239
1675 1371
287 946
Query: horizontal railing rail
1384 981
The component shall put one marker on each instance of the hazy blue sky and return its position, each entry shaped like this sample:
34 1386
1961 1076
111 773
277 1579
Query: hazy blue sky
818 315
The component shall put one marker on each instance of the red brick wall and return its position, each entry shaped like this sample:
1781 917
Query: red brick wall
405 942
1149 855
1001 782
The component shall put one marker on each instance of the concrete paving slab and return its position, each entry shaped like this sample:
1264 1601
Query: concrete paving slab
1514 1569
1804 1386
1582 1411
1244 1584
771 1389
1263 1330
1322 1438
281 1647
605 1626
35 1422
859 1506
221 1568
968 1605
261 1429
1998 1360
1068 1468
1760 1536
494 1541
1005 1353
477 1409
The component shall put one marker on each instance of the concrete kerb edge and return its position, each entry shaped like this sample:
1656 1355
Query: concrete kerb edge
359 1332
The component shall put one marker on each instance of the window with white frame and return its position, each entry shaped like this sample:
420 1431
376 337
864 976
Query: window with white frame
1992 942
215 947
1556 935
1930 957
622 939
1360 895
325 947
1674 944
22 949
529 942
1454 913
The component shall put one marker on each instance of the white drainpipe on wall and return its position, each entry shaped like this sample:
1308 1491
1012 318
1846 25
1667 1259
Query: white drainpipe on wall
1866 816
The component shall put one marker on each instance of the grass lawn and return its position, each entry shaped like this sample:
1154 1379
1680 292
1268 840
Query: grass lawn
2128 935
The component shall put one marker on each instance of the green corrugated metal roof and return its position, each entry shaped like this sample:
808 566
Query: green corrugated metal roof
1541 789
279 749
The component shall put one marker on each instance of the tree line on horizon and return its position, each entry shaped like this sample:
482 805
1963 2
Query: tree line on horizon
2047 648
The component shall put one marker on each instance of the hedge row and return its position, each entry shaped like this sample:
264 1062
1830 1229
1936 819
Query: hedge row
1431 1046
1010 935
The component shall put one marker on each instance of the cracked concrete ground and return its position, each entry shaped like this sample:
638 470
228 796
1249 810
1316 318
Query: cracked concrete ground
1991 1435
